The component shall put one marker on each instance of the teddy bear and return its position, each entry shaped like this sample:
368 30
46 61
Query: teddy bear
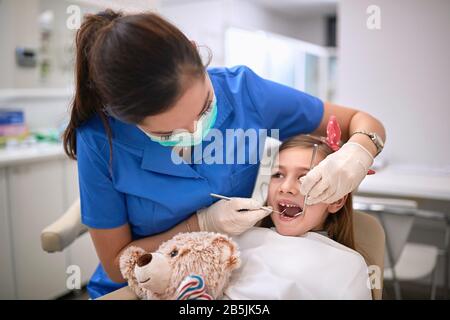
194 265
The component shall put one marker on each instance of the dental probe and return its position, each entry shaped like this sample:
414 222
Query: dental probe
215 195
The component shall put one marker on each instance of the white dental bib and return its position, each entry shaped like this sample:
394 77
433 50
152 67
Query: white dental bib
307 267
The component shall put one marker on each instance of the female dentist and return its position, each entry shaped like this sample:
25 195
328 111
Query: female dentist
141 89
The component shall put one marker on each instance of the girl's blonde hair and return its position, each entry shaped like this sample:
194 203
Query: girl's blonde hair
339 226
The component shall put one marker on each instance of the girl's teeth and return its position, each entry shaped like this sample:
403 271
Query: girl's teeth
289 205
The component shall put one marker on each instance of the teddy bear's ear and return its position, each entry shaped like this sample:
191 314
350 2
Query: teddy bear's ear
128 261
230 251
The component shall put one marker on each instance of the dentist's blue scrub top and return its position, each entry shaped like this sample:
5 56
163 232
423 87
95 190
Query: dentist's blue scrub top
150 192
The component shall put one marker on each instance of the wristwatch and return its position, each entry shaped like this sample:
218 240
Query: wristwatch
377 141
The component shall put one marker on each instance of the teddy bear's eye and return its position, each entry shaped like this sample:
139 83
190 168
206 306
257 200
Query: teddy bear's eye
173 253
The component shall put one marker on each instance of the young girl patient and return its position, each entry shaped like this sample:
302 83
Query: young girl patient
306 256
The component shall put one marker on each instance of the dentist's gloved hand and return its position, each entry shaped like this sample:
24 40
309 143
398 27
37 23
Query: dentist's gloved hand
338 174
224 217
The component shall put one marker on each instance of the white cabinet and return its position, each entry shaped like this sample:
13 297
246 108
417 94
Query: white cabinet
36 200
33 195
81 252
7 290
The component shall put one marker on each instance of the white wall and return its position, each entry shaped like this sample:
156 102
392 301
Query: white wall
6 40
201 21
18 27
309 28
400 74
206 22
249 15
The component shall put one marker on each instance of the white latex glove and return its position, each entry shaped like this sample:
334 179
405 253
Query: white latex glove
224 217
337 175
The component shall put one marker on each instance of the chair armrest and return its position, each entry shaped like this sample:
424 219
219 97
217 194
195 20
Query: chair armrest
61 233
124 293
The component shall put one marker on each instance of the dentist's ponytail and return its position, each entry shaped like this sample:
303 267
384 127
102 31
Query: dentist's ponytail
86 101
128 67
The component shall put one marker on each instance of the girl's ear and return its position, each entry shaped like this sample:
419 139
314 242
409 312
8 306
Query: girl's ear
336 206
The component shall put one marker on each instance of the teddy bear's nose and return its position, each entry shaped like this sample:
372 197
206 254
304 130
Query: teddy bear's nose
144 259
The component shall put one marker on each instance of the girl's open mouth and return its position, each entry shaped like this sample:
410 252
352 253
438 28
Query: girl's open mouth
289 210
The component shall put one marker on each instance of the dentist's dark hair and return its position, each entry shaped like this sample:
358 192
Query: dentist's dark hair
128 67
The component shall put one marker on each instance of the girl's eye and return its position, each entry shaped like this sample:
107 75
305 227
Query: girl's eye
174 253
277 175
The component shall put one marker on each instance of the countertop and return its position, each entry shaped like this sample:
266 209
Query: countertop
26 154
396 180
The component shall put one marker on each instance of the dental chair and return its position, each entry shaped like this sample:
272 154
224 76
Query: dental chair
406 260
369 234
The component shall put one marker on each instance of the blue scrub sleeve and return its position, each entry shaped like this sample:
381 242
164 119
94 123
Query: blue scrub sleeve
282 107
102 207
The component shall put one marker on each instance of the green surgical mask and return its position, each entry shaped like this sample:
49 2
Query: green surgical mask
184 138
